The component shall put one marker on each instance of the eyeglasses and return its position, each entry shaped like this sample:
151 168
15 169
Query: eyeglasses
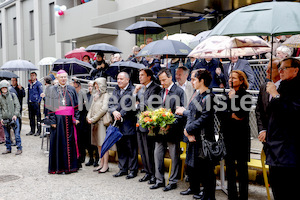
284 68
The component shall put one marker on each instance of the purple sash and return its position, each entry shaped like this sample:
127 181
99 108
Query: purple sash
69 110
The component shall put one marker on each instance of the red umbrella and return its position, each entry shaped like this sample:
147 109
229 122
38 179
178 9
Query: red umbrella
79 53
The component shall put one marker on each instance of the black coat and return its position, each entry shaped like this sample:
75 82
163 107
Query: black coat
261 108
175 133
128 111
236 132
143 95
282 148
97 73
199 121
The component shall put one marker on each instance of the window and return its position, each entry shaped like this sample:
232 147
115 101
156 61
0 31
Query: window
0 36
31 25
15 30
51 19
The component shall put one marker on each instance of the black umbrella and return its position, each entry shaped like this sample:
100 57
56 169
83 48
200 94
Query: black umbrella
19 65
103 47
144 27
7 75
167 48
130 67
73 67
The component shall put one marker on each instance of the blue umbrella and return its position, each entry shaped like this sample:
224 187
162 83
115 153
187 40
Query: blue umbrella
113 134
19 65
103 47
73 67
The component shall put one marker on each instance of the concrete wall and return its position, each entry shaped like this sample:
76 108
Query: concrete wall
12 48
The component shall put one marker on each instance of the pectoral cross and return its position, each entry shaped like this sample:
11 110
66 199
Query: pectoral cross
63 101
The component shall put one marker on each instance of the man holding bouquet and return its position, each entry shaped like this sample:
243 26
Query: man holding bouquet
171 96
144 92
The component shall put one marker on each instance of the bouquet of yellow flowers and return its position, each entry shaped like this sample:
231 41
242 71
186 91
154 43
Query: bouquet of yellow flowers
158 118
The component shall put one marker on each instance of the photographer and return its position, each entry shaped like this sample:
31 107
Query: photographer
9 113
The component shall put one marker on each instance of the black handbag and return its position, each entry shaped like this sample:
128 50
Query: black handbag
214 151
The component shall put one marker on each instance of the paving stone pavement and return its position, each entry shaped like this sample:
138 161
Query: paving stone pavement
35 183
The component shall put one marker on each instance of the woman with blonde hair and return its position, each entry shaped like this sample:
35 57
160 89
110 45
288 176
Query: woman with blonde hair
97 110
236 132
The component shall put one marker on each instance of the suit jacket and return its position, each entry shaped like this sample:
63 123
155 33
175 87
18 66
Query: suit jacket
244 66
212 66
128 113
176 129
189 91
143 95
261 108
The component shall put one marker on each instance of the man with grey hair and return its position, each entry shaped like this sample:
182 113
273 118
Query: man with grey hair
121 107
181 76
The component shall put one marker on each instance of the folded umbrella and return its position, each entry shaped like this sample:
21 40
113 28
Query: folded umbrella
73 67
113 134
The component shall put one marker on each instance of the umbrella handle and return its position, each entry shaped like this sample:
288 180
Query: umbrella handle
114 124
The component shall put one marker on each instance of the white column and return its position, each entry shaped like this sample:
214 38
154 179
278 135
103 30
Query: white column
4 35
20 30
37 35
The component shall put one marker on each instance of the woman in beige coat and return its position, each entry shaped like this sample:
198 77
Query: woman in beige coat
98 109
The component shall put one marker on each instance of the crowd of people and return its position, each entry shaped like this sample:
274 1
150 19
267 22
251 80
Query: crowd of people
78 121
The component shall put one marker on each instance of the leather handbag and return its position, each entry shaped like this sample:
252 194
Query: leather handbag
107 119
213 150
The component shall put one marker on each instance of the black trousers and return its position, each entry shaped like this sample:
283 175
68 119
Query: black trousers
146 148
284 182
34 111
203 172
127 149
242 169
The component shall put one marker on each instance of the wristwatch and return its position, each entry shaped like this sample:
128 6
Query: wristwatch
277 96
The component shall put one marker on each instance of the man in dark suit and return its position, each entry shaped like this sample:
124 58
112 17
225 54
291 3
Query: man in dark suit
121 107
145 98
264 99
239 64
172 96
282 138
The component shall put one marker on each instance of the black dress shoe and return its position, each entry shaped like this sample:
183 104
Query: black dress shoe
188 192
152 180
157 185
120 173
91 162
96 164
131 175
199 196
145 178
37 134
30 133
170 187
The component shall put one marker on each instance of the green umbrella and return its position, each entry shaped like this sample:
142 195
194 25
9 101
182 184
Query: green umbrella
269 18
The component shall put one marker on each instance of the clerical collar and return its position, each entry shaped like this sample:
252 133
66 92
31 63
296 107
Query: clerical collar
62 85
149 84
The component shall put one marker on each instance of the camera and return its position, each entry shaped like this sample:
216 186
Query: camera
10 123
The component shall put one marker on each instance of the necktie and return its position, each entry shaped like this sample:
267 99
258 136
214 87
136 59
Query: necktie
122 91
167 91
230 68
